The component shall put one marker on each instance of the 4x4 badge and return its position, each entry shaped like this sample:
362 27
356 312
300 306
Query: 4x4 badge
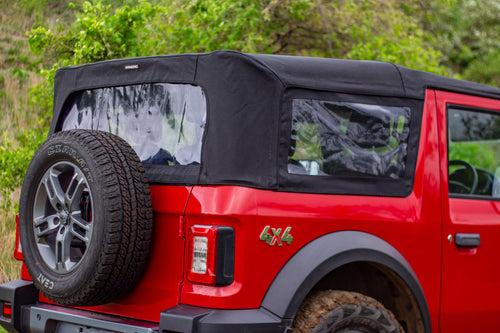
275 236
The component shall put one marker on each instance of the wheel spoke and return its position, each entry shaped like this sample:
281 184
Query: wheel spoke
80 236
78 221
75 189
63 250
76 218
54 190
50 225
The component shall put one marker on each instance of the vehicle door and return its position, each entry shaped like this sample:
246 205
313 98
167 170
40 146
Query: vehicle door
469 129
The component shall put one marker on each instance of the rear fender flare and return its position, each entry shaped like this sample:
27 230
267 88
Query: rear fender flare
323 255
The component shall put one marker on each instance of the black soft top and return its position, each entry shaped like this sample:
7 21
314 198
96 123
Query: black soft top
365 77
349 76
245 95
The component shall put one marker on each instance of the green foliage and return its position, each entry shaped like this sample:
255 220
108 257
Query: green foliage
14 159
99 32
103 31
33 6
467 34
480 155
39 39
385 32
98 35
247 25
308 143
207 25
20 74
485 69
40 10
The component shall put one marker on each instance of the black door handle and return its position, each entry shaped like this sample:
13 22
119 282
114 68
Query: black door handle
467 240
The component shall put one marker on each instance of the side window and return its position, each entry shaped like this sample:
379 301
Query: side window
164 123
473 153
348 139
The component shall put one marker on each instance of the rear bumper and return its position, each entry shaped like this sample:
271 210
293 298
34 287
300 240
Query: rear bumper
30 316
188 319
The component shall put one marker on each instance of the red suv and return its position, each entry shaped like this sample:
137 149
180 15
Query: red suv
230 192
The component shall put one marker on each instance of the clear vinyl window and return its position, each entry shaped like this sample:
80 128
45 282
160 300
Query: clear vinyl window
348 139
164 123
473 153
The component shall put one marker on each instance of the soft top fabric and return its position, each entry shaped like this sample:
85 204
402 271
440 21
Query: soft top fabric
245 102
364 77
343 76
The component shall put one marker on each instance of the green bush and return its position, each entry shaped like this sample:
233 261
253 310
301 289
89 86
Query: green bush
14 159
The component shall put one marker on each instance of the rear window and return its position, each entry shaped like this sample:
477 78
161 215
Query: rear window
164 123
348 139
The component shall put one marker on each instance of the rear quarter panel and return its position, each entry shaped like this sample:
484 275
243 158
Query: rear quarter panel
412 225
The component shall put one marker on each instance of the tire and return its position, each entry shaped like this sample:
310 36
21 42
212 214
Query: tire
333 311
85 218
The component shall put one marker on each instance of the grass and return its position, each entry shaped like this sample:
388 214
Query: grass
9 268
18 75
16 78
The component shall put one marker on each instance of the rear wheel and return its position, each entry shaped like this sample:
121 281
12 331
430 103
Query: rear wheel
333 311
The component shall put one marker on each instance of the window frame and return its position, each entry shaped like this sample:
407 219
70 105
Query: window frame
348 185
155 173
473 109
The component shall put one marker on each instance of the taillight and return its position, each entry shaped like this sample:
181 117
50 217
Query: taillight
18 251
7 310
203 240
211 255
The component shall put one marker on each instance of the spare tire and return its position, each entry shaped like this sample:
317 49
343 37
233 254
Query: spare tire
85 218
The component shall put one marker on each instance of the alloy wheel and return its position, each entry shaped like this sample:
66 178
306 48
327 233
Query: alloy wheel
62 217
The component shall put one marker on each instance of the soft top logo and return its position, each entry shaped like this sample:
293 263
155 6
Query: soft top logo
274 236
134 66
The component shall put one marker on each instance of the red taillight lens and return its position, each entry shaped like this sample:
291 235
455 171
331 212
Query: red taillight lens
7 310
18 251
203 251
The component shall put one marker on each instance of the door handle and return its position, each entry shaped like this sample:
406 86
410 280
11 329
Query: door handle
467 240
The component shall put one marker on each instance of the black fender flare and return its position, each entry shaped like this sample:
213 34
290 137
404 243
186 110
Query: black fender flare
323 255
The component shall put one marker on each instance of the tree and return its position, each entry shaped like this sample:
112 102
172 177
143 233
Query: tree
467 34
367 29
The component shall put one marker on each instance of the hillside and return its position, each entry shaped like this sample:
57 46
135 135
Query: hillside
19 73
16 76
